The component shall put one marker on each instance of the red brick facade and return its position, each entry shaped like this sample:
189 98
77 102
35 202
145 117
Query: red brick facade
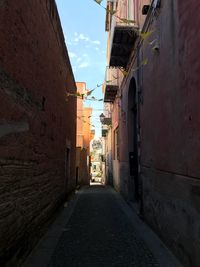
37 125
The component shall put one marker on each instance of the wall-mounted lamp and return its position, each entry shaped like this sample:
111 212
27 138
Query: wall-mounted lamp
102 117
104 120
156 45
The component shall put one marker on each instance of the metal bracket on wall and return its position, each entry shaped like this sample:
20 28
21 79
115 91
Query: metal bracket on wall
156 3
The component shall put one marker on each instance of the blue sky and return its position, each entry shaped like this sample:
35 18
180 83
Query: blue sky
83 23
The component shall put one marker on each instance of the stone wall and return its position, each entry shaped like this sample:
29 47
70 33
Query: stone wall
37 125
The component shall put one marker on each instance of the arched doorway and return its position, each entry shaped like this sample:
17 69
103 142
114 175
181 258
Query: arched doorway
133 184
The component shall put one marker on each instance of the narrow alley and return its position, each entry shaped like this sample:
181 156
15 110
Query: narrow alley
99 229
99 133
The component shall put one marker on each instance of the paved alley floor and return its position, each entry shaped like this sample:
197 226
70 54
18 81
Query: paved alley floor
97 228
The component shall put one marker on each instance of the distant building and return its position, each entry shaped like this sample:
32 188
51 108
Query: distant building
97 168
83 137
152 86
106 120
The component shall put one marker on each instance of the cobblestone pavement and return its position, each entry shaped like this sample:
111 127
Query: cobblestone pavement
97 228
99 234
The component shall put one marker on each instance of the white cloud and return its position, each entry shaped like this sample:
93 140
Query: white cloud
96 42
72 55
81 37
84 65
83 58
84 38
79 59
96 48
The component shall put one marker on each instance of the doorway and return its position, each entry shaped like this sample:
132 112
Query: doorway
133 183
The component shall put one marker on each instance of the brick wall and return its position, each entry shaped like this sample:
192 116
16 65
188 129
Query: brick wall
37 125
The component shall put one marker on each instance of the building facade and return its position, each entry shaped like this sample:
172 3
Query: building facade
37 124
153 48
106 120
97 164
83 137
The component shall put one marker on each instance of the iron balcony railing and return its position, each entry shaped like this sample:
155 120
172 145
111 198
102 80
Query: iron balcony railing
123 35
111 84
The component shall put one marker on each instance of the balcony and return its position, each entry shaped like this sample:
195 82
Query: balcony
123 37
111 85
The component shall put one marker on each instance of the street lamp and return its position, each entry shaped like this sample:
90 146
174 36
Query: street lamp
102 117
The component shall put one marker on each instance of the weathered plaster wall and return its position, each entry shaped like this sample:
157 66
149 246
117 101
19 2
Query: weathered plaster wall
83 177
128 102
83 137
115 161
116 178
37 125
170 139
126 183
